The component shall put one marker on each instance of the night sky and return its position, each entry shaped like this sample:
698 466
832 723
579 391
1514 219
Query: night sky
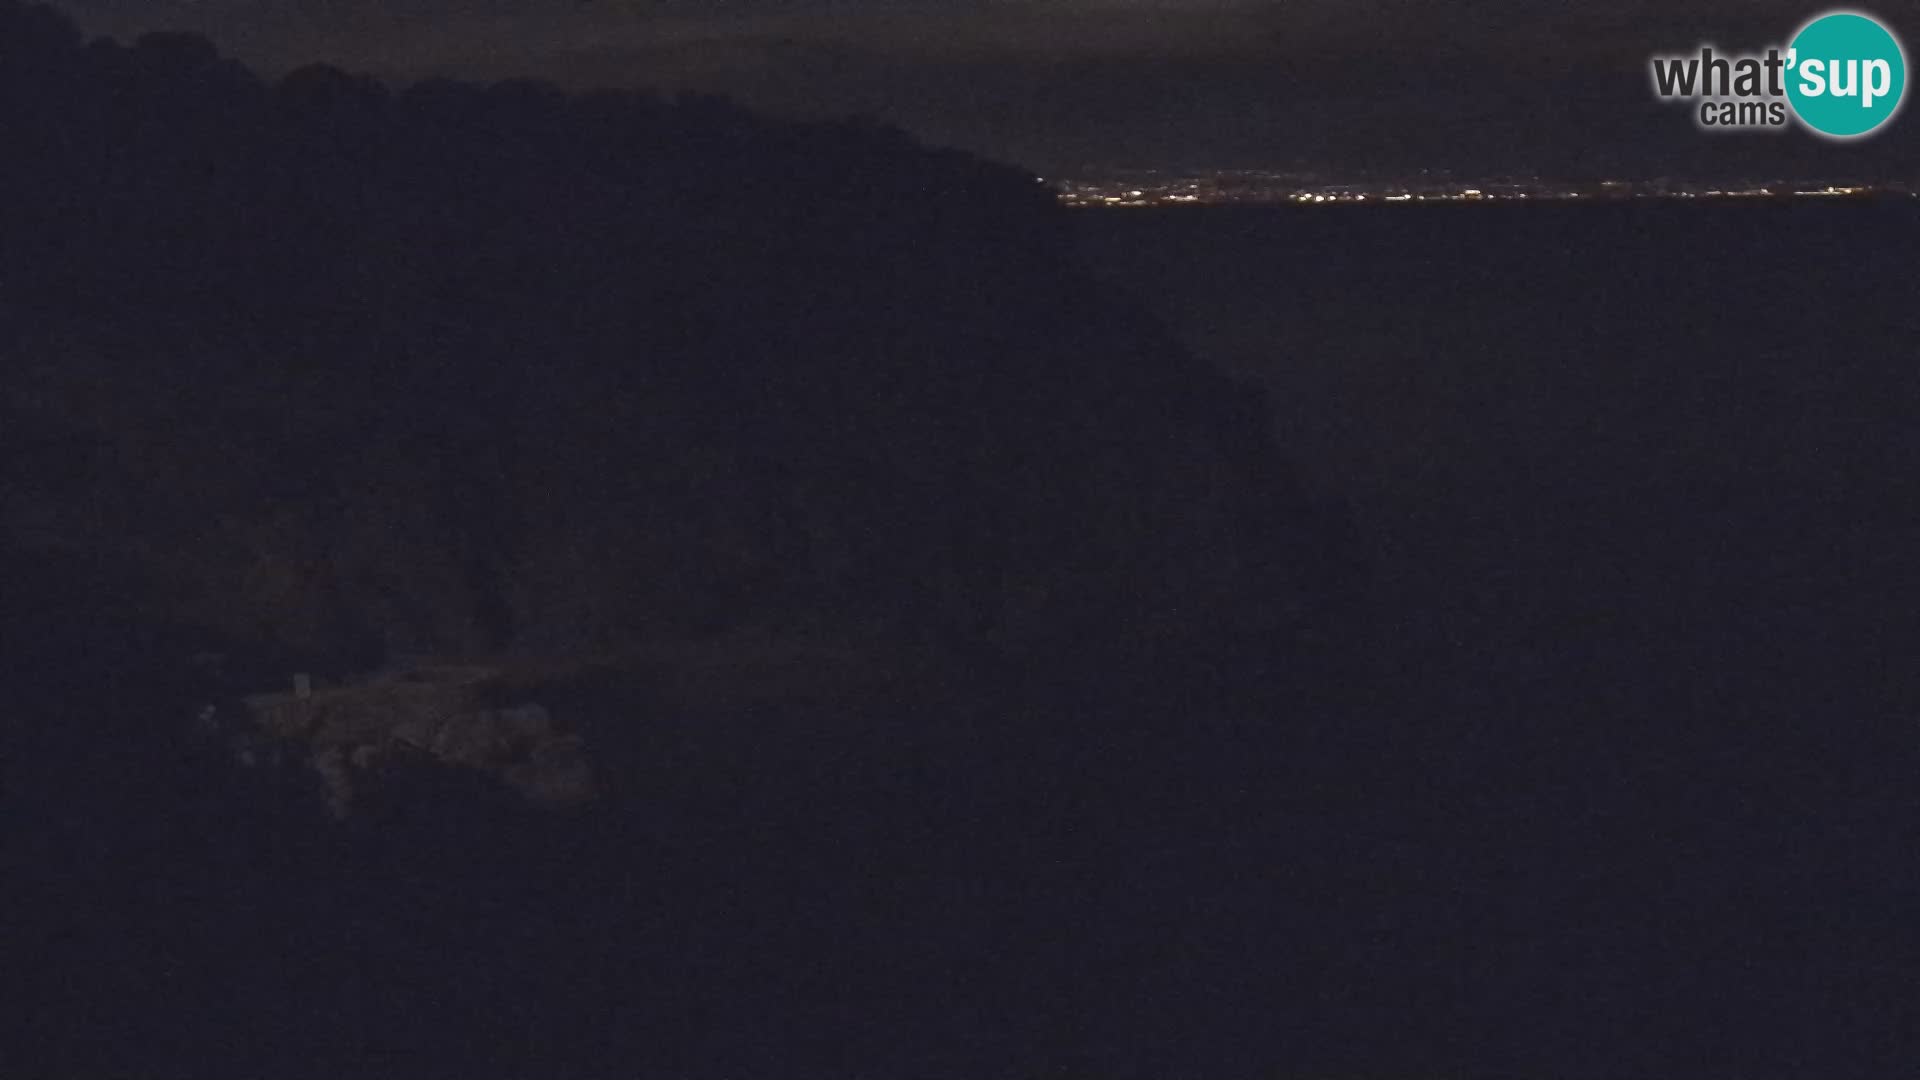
1334 85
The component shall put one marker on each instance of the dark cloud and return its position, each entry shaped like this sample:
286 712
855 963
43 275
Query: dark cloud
1064 84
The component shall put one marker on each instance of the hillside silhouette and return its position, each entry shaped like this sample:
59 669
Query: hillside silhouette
325 376
358 372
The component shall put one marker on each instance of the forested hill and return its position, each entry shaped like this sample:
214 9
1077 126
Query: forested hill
339 372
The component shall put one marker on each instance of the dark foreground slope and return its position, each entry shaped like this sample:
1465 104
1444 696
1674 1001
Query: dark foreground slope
326 377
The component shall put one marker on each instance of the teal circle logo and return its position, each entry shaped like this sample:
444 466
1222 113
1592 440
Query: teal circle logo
1846 75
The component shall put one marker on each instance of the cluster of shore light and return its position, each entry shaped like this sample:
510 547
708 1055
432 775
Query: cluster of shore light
1195 193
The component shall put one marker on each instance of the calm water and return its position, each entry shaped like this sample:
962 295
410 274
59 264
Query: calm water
1639 486
1609 461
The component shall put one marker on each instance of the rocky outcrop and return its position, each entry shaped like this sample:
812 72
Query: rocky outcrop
371 740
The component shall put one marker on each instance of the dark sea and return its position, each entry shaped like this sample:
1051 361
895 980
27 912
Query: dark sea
1639 485
1639 463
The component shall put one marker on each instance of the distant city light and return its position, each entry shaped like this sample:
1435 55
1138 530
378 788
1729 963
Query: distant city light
1253 187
